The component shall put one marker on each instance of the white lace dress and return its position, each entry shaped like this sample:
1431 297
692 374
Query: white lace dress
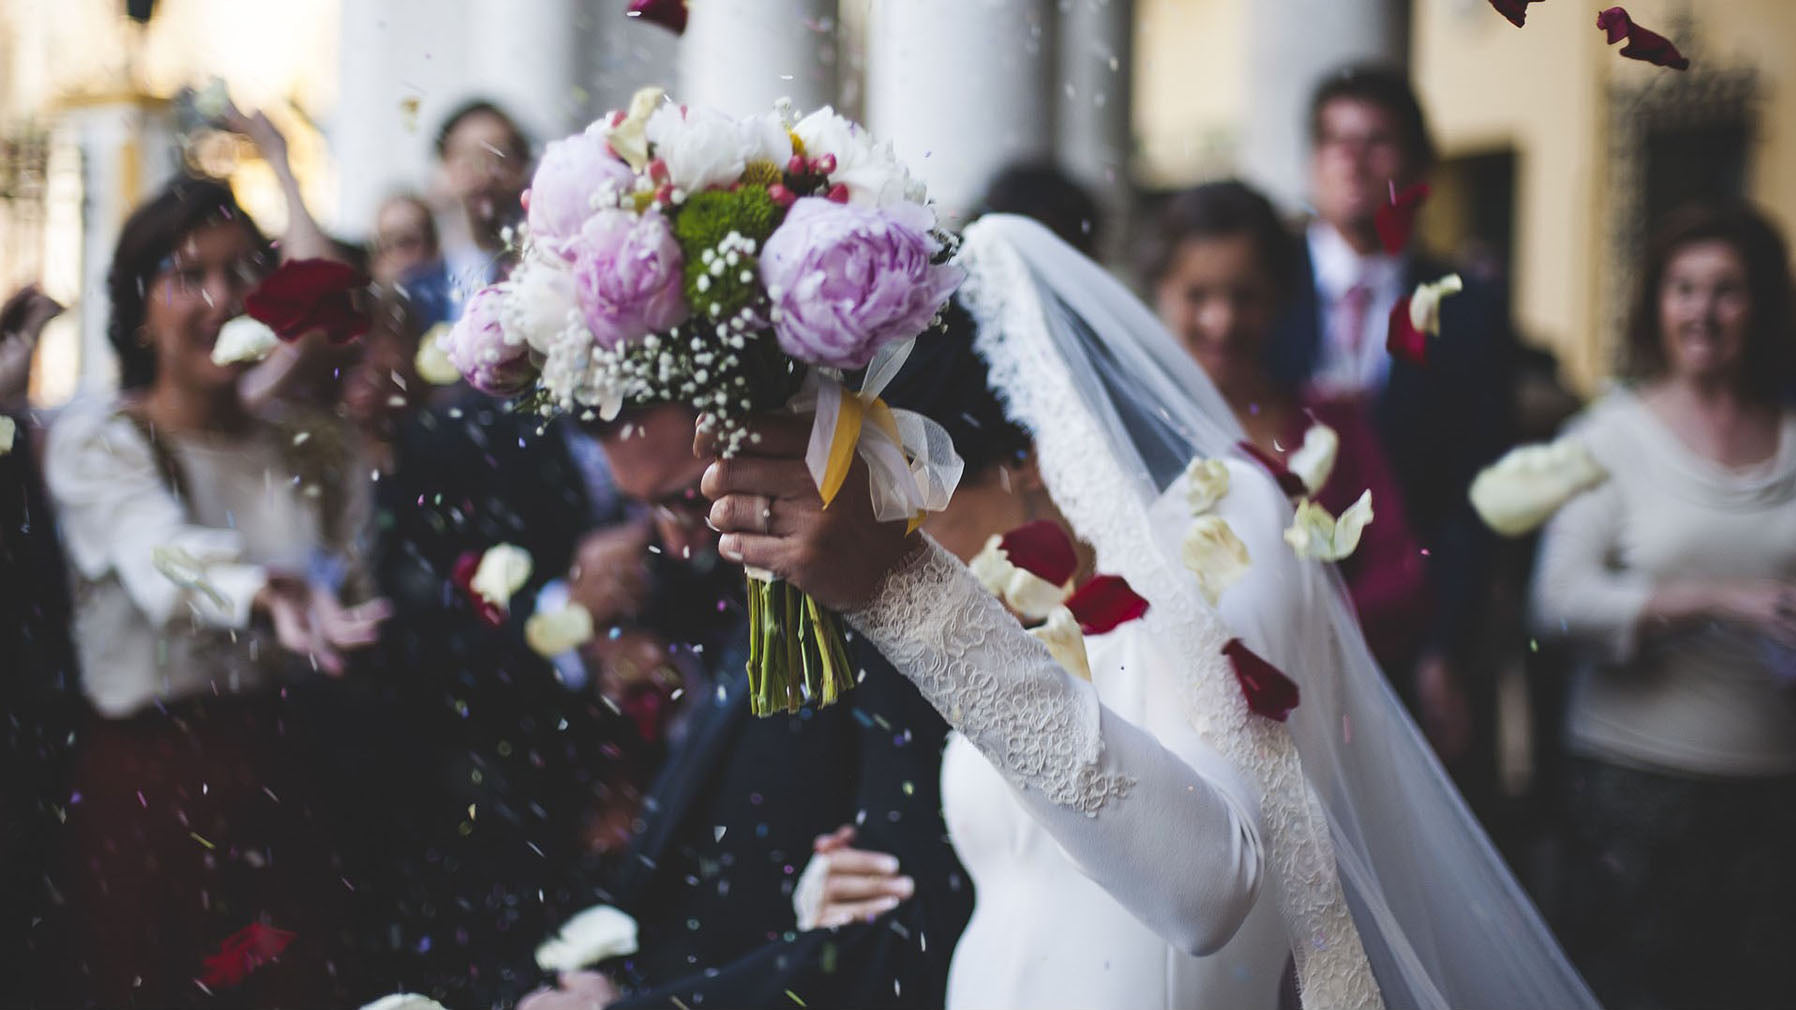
1115 856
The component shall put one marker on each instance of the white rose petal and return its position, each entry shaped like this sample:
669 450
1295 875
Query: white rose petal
1425 304
1315 459
9 429
1215 555
991 566
432 361
1317 536
599 933
1206 483
1065 642
1517 493
404 1001
702 148
243 339
1029 595
503 570
629 137
553 633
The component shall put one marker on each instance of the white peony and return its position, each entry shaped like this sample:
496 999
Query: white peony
1206 483
539 303
503 570
599 933
557 631
701 147
1317 536
1215 555
871 171
404 1001
1517 493
1065 642
1315 459
1425 304
432 361
243 339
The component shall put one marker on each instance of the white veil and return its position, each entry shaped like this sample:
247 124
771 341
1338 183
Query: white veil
1117 410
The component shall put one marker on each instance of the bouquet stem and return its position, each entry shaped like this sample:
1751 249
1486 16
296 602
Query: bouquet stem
796 652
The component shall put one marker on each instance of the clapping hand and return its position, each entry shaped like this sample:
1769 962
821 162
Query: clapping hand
844 884
308 621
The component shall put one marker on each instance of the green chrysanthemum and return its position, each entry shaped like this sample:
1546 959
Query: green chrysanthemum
721 276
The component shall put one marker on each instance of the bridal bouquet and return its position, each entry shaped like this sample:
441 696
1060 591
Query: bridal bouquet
732 265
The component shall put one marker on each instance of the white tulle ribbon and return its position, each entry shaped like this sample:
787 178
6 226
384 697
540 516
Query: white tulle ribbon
912 468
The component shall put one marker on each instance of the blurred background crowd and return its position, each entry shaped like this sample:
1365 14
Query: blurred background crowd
1614 697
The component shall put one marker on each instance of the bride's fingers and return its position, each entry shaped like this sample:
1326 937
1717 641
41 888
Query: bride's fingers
756 550
840 890
785 477
863 863
751 513
859 911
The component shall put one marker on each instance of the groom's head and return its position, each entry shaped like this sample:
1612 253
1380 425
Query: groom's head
650 452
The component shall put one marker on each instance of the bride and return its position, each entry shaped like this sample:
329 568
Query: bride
1144 839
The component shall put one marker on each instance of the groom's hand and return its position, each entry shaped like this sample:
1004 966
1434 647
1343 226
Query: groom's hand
766 506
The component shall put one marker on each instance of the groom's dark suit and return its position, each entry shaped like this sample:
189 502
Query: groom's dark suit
728 828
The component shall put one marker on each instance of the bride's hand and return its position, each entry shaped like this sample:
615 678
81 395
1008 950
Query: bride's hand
766 506
844 885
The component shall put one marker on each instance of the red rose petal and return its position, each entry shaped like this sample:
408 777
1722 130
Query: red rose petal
1643 44
243 952
1396 220
1404 341
1515 10
1042 549
305 295
1269 692
1105 602
1288 482
490 613
669 14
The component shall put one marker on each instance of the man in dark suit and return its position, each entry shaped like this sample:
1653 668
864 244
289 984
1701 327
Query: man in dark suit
730 823
1439 422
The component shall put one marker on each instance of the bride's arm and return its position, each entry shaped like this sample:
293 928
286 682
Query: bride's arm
1173 839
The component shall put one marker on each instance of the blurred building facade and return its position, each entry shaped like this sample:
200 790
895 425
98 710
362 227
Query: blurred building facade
1557 153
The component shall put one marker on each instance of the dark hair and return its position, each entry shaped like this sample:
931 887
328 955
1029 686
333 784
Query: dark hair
481 107
1770 350
945 380
150 235
1386 88
1042 191
1220 210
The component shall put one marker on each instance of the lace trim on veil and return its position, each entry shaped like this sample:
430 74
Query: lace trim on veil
1090 487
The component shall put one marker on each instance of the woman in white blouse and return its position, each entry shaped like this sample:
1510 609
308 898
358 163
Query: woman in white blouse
204 542
1677 580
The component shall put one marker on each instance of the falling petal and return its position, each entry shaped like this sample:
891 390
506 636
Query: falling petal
301 296
1213 553
1522 490
243 952
1206 484
1105 602
1268 692
1043 549
1643 44
1515 10
1396 220
1314 460
1060 633
1317 536
669 14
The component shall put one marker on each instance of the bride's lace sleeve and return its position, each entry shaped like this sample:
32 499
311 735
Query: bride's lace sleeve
1162 834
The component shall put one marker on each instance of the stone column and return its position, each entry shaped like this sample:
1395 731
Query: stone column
963 88
523 55
1291 45
742 56
1093 134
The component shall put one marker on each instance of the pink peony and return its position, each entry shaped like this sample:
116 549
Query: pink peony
573 173
478 348
846 280
627 276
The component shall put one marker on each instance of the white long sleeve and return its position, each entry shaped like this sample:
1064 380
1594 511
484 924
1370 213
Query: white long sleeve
1168 834
119 516
1580 589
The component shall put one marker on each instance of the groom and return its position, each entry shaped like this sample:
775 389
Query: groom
731 821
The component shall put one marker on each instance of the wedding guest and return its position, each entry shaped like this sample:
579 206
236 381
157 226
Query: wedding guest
1220 267
1676 579
405 238
203 542
22 320
1044 191
485 160
1439 422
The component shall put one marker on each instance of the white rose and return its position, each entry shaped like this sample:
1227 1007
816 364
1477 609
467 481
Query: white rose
539 303
404 1001
1517 493
628 138
1315 459
1317 536
765 138
872 172
599 933
1215 555
243 339
503 570
702 148
1065 642
1425 304
553 633
433 362
1206 483
9 430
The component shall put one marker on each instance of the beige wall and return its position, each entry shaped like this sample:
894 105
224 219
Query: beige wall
1190 84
